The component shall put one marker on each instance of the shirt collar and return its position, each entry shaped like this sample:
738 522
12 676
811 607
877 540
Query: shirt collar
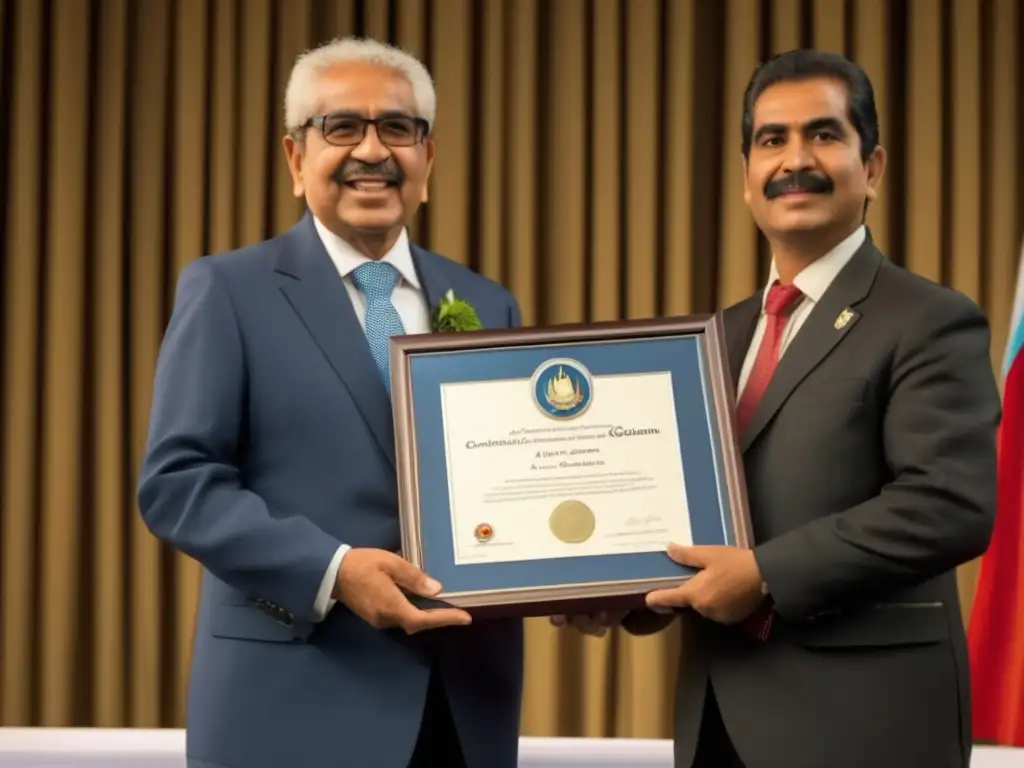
346 258
814 279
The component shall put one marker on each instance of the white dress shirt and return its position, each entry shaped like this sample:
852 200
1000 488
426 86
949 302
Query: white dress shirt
812 281
414 309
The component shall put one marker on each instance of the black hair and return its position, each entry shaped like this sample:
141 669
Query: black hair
806 64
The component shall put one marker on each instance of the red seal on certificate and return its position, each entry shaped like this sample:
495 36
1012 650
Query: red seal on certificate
483 532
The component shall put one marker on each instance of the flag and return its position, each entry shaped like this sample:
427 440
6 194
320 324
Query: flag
996 631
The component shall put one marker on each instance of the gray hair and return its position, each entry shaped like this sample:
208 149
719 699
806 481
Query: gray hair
301 99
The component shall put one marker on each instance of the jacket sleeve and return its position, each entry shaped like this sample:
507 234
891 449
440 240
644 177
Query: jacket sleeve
515 316
939 435
191 492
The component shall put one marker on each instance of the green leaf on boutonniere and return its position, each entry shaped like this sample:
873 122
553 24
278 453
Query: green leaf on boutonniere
454 314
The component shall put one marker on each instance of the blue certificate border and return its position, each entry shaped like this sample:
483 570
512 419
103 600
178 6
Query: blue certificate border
683 355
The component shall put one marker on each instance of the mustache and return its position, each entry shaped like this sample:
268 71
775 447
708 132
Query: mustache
801 181
386 170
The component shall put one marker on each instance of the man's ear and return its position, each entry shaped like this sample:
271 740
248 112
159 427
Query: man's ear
293 154
746 182
431 148
876 171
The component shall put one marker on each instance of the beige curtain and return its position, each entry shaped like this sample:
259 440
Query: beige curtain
588 158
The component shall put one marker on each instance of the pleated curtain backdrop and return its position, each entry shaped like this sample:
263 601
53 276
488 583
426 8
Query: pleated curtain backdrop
588 158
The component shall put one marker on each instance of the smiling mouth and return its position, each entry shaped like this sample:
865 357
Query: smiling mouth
370 185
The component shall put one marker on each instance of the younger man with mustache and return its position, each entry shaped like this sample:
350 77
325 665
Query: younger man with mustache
867 411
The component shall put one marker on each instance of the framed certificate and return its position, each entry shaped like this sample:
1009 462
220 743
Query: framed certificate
545 470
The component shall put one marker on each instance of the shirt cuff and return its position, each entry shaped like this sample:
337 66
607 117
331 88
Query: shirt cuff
324 602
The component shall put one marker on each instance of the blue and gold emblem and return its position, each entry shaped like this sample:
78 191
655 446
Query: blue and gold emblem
562 388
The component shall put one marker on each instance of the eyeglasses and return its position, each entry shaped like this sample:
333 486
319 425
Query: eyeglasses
343 129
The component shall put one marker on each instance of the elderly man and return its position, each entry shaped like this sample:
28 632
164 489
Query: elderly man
271 458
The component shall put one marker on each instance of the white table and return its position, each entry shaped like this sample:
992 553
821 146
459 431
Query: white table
140 748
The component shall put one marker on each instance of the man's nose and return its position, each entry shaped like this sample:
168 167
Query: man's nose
371 149
798 157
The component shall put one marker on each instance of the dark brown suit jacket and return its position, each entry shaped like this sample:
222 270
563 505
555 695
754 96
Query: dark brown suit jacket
870 469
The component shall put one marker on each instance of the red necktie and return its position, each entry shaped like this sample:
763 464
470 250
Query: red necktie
781 301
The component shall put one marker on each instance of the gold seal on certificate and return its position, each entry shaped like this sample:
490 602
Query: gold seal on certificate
572 522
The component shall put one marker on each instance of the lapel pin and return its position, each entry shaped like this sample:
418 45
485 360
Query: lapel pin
844 317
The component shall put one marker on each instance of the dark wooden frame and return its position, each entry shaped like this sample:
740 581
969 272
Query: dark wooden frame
546 600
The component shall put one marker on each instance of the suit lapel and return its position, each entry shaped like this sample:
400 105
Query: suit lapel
431 279
828 323
740 322
317 294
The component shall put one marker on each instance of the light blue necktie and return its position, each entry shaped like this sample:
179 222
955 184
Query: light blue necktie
377 280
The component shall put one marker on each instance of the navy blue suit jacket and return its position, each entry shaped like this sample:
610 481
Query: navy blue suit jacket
271 443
